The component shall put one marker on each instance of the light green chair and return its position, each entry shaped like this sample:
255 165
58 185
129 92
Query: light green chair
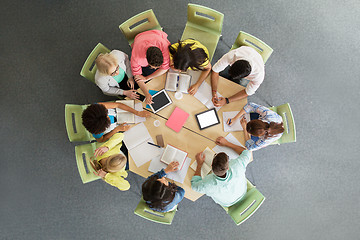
140 23
245 39
204 24
83 153
289 134
144 211
247 206
89 69
74 127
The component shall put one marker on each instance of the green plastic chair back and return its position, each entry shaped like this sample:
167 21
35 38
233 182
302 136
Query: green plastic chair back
289 134
247 206
74 127
89 69
83 153
144 211
245 39
140 23
204 24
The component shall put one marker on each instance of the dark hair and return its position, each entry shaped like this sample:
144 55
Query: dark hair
258 128
240 69
156 194
184 57
154 56
95 118
220 164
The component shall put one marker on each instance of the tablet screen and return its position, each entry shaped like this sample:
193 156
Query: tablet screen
161 100
207 119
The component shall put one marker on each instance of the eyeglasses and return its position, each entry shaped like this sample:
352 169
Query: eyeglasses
117 69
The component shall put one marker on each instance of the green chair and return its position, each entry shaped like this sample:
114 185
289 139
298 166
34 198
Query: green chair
289 134
204 24
140 23
74 127
83 153
144 211
247 206
245 39
89 69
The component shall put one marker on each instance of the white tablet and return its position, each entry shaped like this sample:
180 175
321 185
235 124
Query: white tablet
161 100
207 119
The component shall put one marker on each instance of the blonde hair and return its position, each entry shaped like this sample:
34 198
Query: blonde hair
115 163
104 62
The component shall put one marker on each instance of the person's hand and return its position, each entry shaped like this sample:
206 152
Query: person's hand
123 127
230 121
172 167
144 114
200 158
214 98
193 89
140 78
131 94
243 122
131 83
100 151
148 99
220 102
221 141
101 173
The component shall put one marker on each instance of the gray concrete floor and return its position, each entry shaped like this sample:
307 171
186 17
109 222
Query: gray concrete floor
312 186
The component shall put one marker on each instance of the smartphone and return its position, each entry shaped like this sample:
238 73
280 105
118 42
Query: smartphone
160 140
141 97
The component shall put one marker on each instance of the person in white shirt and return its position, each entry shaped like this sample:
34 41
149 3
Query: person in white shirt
114 76
245 62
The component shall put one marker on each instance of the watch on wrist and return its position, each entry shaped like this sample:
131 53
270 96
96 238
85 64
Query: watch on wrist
227 100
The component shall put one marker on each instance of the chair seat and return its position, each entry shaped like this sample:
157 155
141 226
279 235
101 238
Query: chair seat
208 39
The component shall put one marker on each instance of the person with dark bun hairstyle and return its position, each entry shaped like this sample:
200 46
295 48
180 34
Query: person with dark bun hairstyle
159 194
227 184
190 54
100 119
260 132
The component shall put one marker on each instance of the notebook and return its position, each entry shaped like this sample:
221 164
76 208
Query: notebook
125 116
171 154
206 167
204 95
177 119
177 82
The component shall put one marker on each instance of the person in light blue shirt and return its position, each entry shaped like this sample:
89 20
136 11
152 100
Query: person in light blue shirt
227 184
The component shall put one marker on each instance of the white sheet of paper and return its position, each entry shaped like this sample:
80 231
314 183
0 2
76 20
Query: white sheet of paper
138 107
231 153
236 126
204 95
136 135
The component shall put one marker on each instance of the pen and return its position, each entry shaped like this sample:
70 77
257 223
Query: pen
154 144
230 121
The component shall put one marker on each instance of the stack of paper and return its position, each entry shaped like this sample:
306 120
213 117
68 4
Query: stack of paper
206 167
125 116
136 140
204 95
236 126
231 153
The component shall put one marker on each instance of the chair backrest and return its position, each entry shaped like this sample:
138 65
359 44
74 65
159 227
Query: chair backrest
83 153
89 69
144 211
247 206
285 112
74 127
140 23
245 39
205 18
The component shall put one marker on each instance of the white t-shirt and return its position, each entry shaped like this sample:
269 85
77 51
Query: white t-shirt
255 60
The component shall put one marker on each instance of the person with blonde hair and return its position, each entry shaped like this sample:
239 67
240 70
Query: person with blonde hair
110 162
114 76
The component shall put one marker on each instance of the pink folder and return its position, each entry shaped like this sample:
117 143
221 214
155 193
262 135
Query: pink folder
177 119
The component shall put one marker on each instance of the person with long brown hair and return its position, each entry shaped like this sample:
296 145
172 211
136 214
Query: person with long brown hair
161 195
259 132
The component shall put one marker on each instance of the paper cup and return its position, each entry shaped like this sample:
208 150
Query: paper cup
178 95
156 123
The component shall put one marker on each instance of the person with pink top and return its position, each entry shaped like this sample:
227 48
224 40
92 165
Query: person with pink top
149 58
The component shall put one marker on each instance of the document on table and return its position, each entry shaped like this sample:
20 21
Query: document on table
138 107
179 176
206 167
230 152
204 95
136 140
236 126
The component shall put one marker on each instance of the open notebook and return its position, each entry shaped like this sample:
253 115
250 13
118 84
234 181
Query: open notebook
125 116
179 82
172 153
206 167
204 95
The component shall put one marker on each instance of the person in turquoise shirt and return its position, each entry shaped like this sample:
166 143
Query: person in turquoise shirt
227 184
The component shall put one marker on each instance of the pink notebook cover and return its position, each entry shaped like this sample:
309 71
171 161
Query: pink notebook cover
177 119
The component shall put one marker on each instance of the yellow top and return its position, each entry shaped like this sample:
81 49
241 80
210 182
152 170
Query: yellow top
197 44
115 179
